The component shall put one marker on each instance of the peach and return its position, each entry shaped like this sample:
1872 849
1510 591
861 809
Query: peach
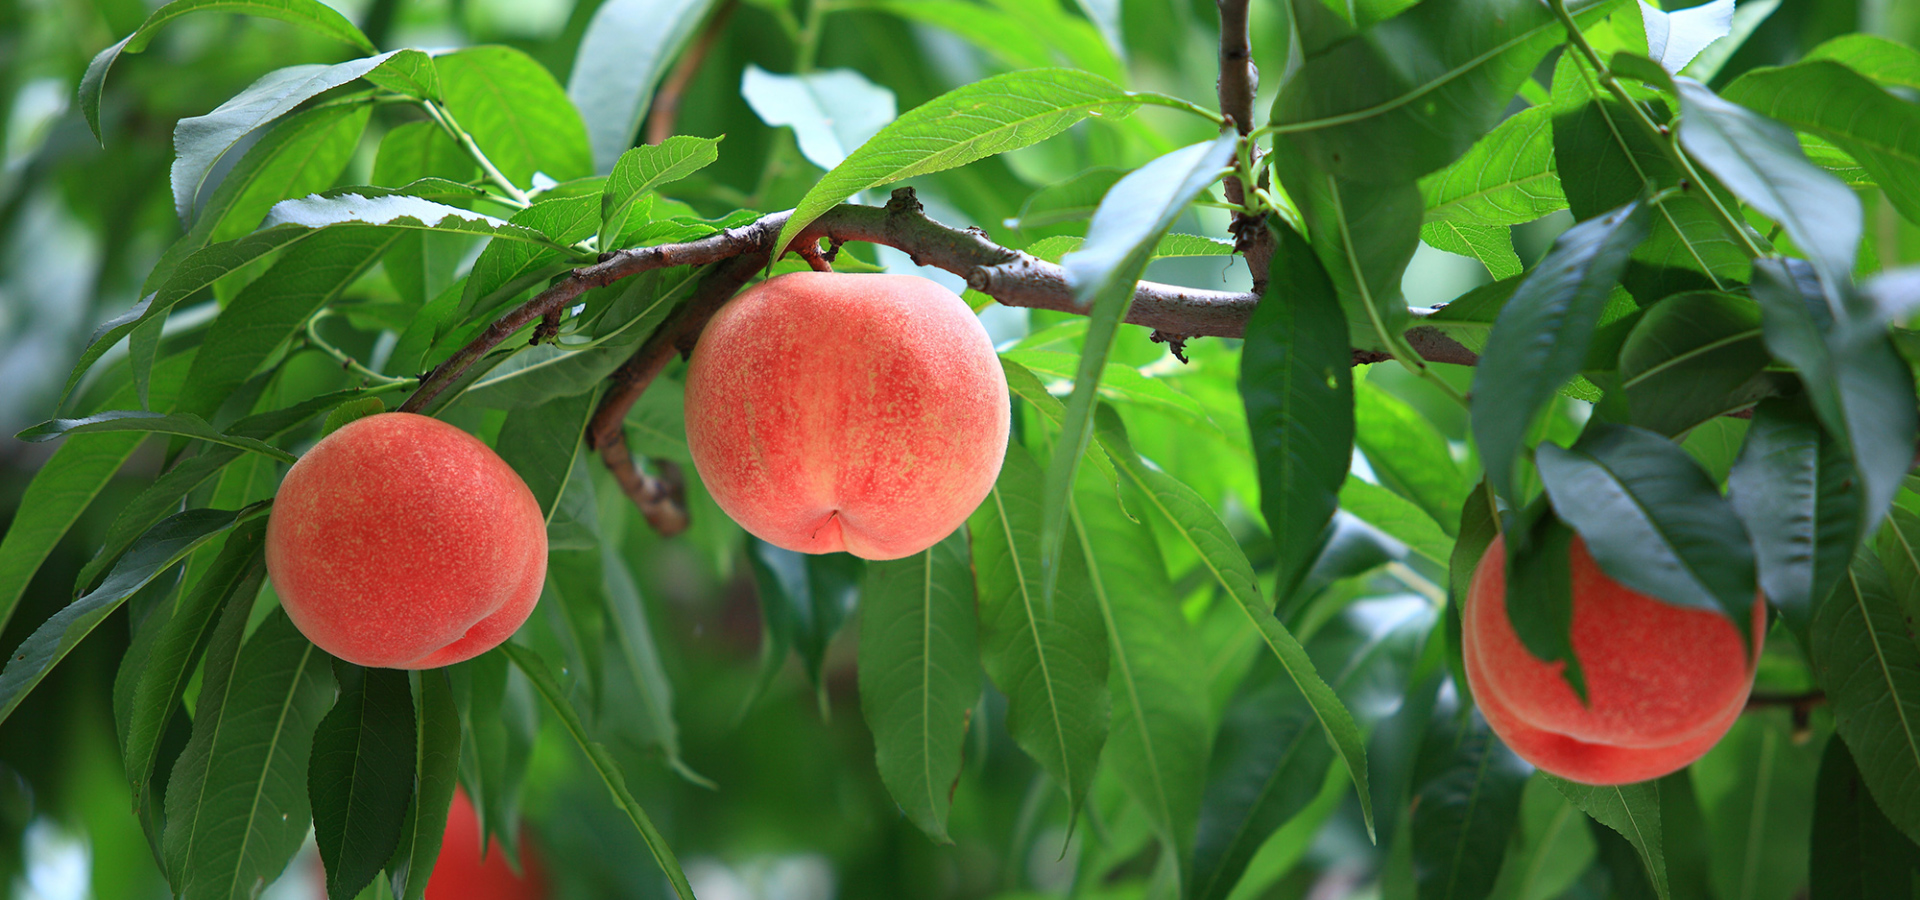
864 413
403 542
1664 682
465 871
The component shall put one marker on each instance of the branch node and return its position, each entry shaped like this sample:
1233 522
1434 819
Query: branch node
904 201
548 331
1176 343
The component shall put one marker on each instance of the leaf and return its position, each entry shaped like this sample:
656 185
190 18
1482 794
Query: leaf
971 122
993 31
1120 383
161 548
1551 847
1364 234
1856 854
1864 656
303 280
1506 178
309 14
1756 788
436 767
1407 453
1793 487
1198 526
1761 163
1692 357
831 111
1467 787
541 443
1102 274
1856 381
135 420
233 578
1408 95
1653 520
1398 517
1491 245
643 170
360 775
1540 338
1022 383
1051 663
918 681
1069 201
506 268
1632 810
376 206
1888 62
627 47
635 640
1158 743
498 721
1822 97
1297 383
517 113
804 601
602 762
199 142
237 802
304 153
1675 38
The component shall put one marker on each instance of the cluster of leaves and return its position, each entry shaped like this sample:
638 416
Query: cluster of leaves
1107 609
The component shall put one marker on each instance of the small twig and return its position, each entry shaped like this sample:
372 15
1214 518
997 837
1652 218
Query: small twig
666 104
1239 81
1801 706
444 117
346 362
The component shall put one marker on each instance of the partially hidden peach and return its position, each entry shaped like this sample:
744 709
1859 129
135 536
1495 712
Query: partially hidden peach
864 413
401 541
1664 682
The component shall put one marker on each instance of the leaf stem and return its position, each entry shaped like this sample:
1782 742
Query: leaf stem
444 118
1664 138
321 344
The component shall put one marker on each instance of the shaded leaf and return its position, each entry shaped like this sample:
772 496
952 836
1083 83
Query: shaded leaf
135 420
360 775
1856 854
1878 130
1467 787
1690 358
436 768
1865 657
1631 810
1793 487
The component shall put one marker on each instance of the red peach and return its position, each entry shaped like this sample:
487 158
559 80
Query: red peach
401 541
1664 682
464 872
865 413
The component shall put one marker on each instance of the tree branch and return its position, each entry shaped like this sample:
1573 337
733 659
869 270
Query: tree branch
1239 81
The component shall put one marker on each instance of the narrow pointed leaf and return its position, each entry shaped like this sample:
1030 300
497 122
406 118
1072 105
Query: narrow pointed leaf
1540 338
645 169
1856 854
1467 787
1792 486
185 425
1880 131
1632 810
436 769
1864 656
360 775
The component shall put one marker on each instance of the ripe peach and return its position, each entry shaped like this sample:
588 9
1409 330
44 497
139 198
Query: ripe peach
1664 682
403 542
465 872
864 413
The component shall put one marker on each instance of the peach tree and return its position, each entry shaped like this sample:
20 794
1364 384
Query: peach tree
1300 304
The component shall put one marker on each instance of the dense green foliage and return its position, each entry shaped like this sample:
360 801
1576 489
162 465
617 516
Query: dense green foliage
1192 645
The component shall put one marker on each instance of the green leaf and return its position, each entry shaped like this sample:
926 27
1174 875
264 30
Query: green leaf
1856 854
151 422
1160 738
304 279
233 579
1200 528
971 122
1364 233
1885 61
627 47
1022 383
634 638
498 721
1551 848
410 73
602 762
1756 789
161 548
831 111
304 153
1119 383
804 601
1692 357
505 268
1864 656
1792 486
1398 517
645 169
1761 163
237 802
541 444
1051 664
1053 249
1632 810
993 31
1491 245
1466 800
1102 274
1409 95
199 142
919 648
1540 338
360 776
1856 381
1539 578
1877 129
516 112
1506 178
1407 453
1297 383
400 209
310 14
1069 201
1653 519
350 411
436 767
